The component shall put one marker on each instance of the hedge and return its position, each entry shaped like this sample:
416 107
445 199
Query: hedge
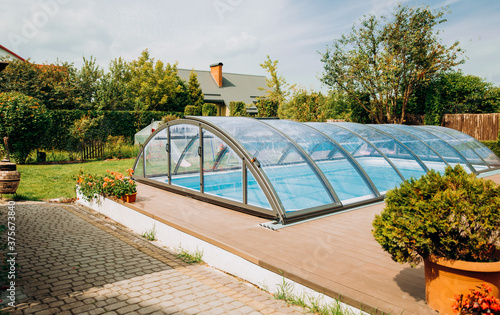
118 123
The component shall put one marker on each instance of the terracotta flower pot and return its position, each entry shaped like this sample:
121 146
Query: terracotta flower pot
129 198
446 278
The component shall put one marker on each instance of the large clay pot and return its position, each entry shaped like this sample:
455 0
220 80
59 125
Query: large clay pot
446 278
9 177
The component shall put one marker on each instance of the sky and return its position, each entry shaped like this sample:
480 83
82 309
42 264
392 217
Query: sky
238 33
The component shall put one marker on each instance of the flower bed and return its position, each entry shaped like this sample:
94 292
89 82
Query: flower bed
113 184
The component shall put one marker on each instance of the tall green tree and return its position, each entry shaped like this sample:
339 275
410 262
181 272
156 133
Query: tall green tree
113 92
195 92
156 86
54 85
454 92
387 58
277 88
89 83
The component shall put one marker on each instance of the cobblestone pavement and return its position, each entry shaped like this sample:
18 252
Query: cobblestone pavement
72 260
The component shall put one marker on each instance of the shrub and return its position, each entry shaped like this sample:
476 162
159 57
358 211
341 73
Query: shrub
267 108
237 109
209 109
117 147
191 110
87 128
455 216
168 118
24 121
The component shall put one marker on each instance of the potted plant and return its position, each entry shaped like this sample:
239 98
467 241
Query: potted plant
121 187
451 222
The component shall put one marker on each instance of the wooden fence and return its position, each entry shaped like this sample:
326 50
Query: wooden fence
479 126
92 150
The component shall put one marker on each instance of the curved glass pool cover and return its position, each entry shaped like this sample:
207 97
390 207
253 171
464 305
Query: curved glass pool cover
287 170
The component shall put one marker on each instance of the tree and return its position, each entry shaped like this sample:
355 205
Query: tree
24 120
339 106
89 77
453 92
113 93
277 88
195 92
388 61
304 106
54 85
156 86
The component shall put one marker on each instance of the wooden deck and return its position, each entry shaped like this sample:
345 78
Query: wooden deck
335 255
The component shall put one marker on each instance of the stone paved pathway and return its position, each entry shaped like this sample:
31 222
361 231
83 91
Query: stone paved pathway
72 260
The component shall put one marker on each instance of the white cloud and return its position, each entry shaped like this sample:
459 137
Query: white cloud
239 33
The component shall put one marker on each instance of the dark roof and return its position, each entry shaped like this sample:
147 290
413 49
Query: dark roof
12 53
235 87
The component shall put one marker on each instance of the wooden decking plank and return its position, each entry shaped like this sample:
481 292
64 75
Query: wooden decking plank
334 255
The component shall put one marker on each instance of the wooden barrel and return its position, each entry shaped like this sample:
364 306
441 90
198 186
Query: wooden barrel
9 178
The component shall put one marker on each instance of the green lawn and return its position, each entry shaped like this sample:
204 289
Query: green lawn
44 182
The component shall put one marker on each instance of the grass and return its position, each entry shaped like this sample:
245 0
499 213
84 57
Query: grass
150 235
312 304
44 182
190 258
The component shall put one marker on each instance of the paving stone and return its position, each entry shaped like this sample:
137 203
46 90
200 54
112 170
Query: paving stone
86 264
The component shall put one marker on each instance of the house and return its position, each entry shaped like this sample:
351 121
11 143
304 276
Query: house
222 88
4 52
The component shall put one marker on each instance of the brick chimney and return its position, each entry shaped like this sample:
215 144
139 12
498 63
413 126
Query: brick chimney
216 71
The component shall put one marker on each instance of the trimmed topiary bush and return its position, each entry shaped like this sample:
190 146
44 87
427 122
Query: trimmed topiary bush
455 216
237 109
209 109
191 110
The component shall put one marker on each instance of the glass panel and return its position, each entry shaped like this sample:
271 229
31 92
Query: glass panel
339 170
488 156
460 146
255 195
139 167
444 149
431 159
157 157
222 169
382 174
405 162
289 173
185 161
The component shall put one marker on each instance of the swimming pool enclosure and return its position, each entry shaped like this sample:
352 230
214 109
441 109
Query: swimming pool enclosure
287 170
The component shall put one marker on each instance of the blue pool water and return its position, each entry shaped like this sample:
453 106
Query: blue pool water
297 187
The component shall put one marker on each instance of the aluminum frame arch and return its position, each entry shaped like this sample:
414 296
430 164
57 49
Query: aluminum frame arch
391 163
413 137
433 137
349 158
446 131
247 164
419 161
291 215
